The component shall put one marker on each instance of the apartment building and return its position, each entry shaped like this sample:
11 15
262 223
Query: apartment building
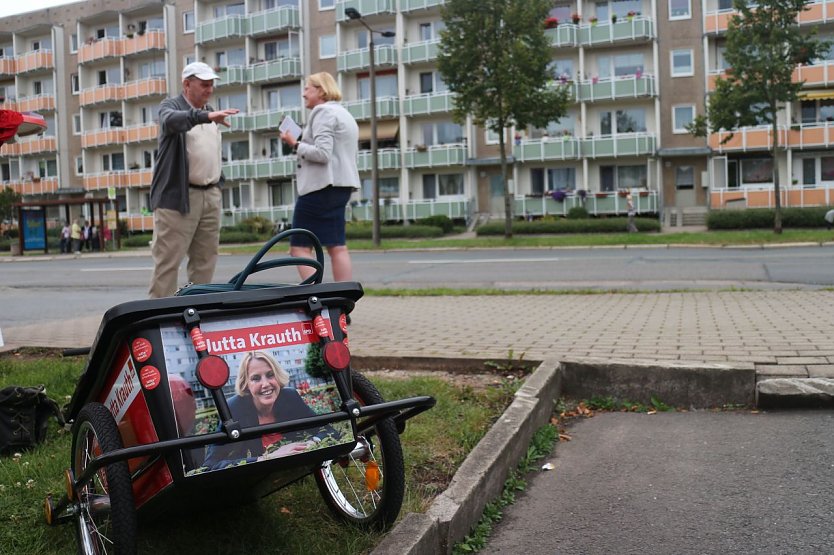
639 71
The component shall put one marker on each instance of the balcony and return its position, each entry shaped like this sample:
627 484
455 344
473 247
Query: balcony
30 145
762 196
100 49
267 120
273 70
385 55
103 137
565 35
808 135
140 88
387 159
39 103
102 94
718 21
633 86
365 7
141 133
8 66
386 107
230 26
146 42
423 51
415 5
35 186
103 180
629 144
269 168
139 178
274 21
35 61
428 103
436 156
638 29
539 150
815 75
597 204
747 138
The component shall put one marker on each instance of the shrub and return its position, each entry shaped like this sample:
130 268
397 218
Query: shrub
256 224
137 240
365 231
762 218
590 225
578 213
442 221
240 237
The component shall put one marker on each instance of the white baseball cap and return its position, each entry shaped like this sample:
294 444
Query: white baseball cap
200 71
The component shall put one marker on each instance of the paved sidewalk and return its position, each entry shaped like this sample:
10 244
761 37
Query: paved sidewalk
779 333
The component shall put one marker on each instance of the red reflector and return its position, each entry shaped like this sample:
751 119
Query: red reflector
213 372
336 355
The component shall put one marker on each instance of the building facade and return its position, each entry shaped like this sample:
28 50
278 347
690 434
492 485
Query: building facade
639 71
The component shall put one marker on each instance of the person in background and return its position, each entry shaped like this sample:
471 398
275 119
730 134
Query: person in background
85 236
95 240
632 212
76 235
829 219
185 189
326 174
66 240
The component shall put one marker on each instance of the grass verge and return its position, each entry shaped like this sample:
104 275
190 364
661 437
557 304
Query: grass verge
293 520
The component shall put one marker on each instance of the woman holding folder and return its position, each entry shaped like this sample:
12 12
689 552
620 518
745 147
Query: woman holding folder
326 174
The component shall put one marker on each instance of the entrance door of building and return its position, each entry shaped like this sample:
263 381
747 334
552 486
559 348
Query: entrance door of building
496 195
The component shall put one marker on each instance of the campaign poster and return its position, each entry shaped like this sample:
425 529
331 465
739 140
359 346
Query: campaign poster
34 230
276 375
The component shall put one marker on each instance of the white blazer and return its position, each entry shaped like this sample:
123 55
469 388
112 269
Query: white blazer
327 150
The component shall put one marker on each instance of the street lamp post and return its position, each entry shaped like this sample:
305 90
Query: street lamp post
353 13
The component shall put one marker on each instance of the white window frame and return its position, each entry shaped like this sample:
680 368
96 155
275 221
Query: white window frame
76 124
679 17
73 43
491 137
675 128
185 29
81 165
326 8
75 83
322 55
685 187
691 70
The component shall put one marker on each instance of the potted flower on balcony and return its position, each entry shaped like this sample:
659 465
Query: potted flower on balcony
631 15
551 23
582 193
593 19
575 18
613 18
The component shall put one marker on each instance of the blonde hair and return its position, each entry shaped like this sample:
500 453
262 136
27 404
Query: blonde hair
325 82
242 380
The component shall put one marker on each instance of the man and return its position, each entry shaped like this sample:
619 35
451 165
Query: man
185 190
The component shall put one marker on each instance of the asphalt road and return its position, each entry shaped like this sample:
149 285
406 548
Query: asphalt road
43 289
697 482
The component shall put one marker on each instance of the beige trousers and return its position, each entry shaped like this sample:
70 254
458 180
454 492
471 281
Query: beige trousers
175 235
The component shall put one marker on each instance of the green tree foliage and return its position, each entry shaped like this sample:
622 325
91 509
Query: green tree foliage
494 56
8 198
764 44
314 364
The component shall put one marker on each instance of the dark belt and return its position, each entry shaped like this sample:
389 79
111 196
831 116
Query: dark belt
209 186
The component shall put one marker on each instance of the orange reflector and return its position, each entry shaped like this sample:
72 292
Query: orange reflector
48 509
336 355
372 476
69 483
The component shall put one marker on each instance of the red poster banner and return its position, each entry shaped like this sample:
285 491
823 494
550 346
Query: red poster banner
260 337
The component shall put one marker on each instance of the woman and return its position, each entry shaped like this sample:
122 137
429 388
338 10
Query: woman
260 382
326 174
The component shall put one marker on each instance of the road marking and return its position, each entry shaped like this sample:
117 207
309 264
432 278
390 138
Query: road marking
484 261
133 269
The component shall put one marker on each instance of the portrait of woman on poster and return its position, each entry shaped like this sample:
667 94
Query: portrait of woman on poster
262 397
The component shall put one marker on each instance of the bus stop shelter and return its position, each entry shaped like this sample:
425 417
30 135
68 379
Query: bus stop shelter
31 217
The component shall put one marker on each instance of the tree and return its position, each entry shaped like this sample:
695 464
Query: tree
8 198
764 44
494 56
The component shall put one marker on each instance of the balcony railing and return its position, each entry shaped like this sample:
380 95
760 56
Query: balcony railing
414 5
435 156
815 75
271 21
283 166
556 148
639 28
629 144
32 145
140 88
35 186
221 28
428 103
385 55
103 180
39 103
34 61
99 49
747 138
762 196
282 68
365 7
8 66
633 86
387 159
386 107
150 40
423 51
718 21
596 203
258 23
102 137
267 120
102 94
142 132
565 35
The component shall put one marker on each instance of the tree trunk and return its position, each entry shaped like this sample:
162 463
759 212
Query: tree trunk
777 206
508 205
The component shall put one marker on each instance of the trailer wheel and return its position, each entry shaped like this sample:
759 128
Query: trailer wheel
366 486
105 519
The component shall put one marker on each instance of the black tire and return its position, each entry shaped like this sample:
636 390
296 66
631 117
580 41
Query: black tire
101 529
342 481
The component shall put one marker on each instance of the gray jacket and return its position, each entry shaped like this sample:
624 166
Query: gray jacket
327 150
169 187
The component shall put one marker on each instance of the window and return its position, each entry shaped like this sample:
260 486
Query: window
5 172
622 177
73 43
684 177
562 11
758 171
621 65
152 68
37 88
235 100
619 7
682 63
327 46
106 120
148 157
817 111
627 121
235 150
189 59
229 9
113 162
389 187
431 30
827 168
280 192
79 165
188 22
442 185
378 39
491 137
564 127
386 85
561 69
442 133
47 168
557 179
327 4
284 97
681 117
76 87
809 172
149 114
76 124
431 82
232 57
679 9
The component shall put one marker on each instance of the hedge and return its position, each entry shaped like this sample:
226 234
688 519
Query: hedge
442 221
414 231
592 225
754 218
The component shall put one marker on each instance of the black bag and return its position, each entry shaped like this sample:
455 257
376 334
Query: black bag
255 265
24 417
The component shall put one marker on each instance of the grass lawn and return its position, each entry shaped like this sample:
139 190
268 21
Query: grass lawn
293 520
